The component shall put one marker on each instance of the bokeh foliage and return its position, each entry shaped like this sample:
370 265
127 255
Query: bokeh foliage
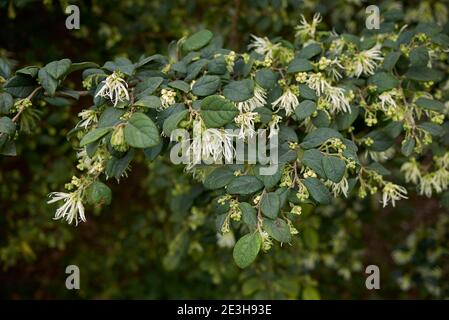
156 240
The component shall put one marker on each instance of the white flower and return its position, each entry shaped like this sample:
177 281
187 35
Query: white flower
425 185
411 171
341 187
218 143
332 70
258 100
382 156
387 100
92 166
440 180
167 98
338 44
442 161
115 88
392 193
274 125
226 240
263 46
305 29
88 117
246 122
365 62
210 144
317 82
72 209
337 100
288 102
230 60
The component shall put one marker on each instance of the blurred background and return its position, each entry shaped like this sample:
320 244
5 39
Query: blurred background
157 239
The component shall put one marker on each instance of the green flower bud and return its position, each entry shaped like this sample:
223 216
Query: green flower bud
118 139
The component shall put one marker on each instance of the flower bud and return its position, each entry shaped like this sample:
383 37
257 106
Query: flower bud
118 139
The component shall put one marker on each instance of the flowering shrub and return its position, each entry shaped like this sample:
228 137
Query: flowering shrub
342 108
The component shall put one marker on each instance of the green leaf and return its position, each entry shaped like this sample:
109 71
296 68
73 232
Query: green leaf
30 71
7 126
197 40
407 147
206 85
312 158
266 78
194 69
47 81
307 93
380 169
310 51
141 132
334 168
5 68
151 102
152 152
278 229
430 104
345 119
318 136
239 91
115 167
217 66
390 60
110 117
383 81
382 141
217 111
6 102
305 109
432 128
94 135
249 215
419 56
321 119
244 185
265 114
246 249
299 65
269 180
393 129
318 190
171 123
57 69
8 149
218 178
20 86
148 86
98 193
422 73
180 85
270 205
123 65
81 66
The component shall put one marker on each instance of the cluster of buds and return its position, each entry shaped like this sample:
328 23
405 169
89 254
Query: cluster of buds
167 98
21 105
